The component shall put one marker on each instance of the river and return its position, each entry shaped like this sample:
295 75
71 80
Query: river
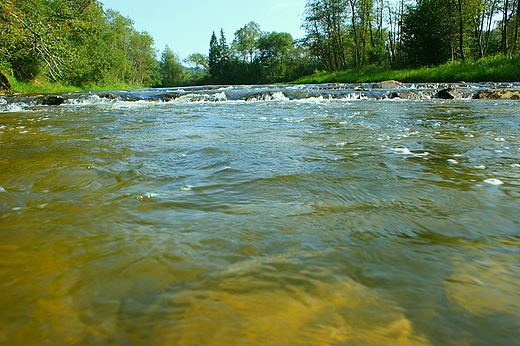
273 215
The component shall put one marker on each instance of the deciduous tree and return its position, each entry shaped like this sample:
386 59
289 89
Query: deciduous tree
171 70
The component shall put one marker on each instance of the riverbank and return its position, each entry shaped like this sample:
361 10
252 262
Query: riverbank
496 69
493 69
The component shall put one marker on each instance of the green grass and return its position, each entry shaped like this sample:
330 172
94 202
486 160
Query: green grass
43 86
497 69
40 88
113 86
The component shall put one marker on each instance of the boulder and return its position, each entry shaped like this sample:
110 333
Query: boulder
393 95
387 84
52 100
447 94
498 94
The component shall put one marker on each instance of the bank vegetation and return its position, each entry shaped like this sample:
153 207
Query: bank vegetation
78 44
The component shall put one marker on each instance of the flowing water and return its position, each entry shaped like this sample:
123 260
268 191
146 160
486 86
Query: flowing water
243 216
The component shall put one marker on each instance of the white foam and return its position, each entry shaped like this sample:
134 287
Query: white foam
146 196
217 97
186 188
2 189
453 161
355 96
89 100
125 105
494 181
403 151
296 87
13 107
220 96
277 96
406 151
480 167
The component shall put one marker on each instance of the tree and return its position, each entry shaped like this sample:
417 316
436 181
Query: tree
214 57
467 18
225 52
74 42
245 41
172 73
33 38
484 34
325 24
219 57
429 32
198 62
275 50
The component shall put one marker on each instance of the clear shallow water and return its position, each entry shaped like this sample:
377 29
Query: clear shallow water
278 222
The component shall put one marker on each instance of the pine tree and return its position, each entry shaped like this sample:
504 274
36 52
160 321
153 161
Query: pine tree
224 48
214 57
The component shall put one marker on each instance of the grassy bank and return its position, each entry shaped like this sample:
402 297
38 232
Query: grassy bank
496 69
42 86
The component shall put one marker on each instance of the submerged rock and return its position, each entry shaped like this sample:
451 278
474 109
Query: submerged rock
498 94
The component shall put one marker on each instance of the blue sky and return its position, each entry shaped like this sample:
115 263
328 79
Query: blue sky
186 26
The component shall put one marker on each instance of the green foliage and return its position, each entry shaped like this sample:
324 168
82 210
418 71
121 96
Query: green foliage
78 44
428 32
275 50
257 57
325 22
171 71
245 43
197 60
74 42
346 34
215 58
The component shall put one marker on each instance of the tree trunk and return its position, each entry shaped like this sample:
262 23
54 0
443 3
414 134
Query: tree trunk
516 26
505 20
461 30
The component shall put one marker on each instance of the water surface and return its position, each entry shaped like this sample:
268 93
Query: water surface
259 220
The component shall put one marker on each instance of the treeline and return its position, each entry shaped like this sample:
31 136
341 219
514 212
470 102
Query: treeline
256 56
74 42
354 34
358 33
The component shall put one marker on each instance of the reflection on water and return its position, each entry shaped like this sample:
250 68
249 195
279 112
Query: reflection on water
311 222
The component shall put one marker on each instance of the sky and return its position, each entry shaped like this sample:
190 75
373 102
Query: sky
186 26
